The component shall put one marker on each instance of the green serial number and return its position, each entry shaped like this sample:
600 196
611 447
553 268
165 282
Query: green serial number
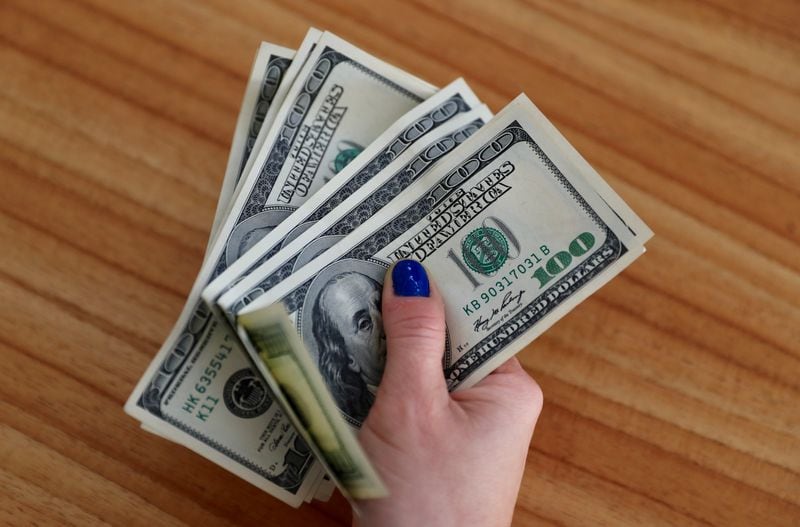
199 402
530 267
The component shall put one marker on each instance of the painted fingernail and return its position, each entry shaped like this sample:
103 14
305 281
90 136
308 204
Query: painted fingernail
409 279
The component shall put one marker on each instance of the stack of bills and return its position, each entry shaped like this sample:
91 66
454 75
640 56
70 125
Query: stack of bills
340 165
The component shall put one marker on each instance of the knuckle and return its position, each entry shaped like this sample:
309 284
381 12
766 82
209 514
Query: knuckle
423 326
414 318
400 307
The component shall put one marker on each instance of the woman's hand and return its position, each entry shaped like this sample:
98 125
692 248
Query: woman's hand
446 458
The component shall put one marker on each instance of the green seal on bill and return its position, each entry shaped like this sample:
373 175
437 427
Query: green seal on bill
344 157
485 250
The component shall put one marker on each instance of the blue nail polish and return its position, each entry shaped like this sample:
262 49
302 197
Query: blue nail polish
409 279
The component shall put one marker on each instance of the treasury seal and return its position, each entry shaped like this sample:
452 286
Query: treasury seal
348 151
485 250
245 394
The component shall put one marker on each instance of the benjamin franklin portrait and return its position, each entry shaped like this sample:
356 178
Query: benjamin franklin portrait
347 334
251 231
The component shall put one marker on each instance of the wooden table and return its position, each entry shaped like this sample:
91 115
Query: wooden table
671 395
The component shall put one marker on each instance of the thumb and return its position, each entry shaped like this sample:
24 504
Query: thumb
413 318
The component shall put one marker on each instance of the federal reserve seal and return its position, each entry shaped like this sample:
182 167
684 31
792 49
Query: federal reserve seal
485 250
245 394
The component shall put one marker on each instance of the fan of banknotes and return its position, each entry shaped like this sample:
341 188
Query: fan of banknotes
340 165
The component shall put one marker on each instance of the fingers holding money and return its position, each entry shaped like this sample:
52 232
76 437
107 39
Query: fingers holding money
414 322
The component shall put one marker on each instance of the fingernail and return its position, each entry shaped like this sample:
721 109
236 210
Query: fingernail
409 279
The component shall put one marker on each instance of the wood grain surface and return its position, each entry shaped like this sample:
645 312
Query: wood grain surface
671 396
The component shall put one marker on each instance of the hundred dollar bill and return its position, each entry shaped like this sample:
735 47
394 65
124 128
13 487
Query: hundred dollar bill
415 126
510 228
342 100
296 382
272 73
287 80
269 73
361 205
201 385
269 69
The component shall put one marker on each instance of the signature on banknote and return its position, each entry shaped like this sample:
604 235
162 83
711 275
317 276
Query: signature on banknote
510 303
